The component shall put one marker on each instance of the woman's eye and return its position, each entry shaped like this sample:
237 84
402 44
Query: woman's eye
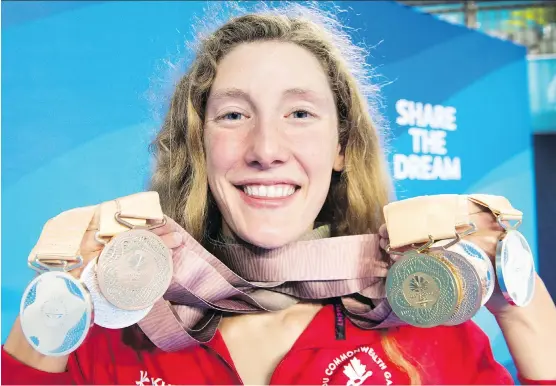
233 116
300 114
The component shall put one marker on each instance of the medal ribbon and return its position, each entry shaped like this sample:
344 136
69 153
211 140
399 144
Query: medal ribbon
247 279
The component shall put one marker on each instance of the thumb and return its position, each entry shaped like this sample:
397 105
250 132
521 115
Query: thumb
90 244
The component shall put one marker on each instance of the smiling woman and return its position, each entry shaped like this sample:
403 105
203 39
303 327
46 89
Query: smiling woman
275 137
274 101
270 139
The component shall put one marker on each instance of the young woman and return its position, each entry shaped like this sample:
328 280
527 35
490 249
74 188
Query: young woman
270 133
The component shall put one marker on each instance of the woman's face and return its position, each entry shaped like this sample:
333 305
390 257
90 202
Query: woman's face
271 139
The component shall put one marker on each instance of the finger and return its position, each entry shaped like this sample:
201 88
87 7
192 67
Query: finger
384 243
169 227
172 240
383 231
165 229
90 243
486 240
95 221
395 257
485 220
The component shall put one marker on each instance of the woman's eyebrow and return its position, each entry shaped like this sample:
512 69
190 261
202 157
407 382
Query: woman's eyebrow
301 92
238 93
231 92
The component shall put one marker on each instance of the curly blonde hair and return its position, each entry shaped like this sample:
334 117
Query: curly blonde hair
356 195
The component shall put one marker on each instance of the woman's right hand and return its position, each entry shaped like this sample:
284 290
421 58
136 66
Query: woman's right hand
16 344
91 248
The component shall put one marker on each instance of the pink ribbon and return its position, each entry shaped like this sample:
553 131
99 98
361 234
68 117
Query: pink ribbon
246 279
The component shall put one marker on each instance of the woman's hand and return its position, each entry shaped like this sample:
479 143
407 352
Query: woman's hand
91 248
171 235
529 330
487 236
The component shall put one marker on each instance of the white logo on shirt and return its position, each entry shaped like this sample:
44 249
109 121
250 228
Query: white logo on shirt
353 368
145 381
356 373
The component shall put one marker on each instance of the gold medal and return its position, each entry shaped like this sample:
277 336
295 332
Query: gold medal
469 285
423 290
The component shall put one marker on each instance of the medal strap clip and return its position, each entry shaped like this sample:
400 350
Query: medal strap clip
137 211
118 217
420 249
501 209
426 220
46 263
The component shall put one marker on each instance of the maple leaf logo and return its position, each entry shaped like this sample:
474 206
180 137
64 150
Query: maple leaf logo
356 372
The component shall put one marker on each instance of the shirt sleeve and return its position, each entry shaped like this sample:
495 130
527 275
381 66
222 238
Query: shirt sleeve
488 370
483 368
15 372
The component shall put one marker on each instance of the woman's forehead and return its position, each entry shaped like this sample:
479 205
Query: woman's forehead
286 68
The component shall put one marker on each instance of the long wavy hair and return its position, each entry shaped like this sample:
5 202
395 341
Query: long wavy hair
356 195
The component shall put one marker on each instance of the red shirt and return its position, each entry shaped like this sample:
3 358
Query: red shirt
445 355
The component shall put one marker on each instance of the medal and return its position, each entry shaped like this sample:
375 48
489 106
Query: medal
134 270
481 263
515 268
422 290
56 313
471 288
106 314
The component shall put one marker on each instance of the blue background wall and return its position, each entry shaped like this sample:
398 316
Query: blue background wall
78 81
542 89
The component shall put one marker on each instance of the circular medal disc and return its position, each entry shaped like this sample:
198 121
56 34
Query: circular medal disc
422 290
134 270
56 313
515 269
106 314
471 286
481 262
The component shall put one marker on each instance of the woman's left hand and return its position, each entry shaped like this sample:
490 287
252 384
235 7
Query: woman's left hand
528 330
487 236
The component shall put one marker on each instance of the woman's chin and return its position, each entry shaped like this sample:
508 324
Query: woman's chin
271 240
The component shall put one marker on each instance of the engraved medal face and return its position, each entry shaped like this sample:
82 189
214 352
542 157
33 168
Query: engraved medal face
515 269
106 314
56 313
481 262
422 290
471 286
134 270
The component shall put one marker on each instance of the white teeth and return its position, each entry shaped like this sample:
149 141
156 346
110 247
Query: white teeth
271 191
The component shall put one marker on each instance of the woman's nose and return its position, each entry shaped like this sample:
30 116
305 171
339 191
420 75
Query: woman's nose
267 147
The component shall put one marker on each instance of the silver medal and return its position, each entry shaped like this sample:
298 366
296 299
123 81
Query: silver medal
56 313
106 314
134 270
515 269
